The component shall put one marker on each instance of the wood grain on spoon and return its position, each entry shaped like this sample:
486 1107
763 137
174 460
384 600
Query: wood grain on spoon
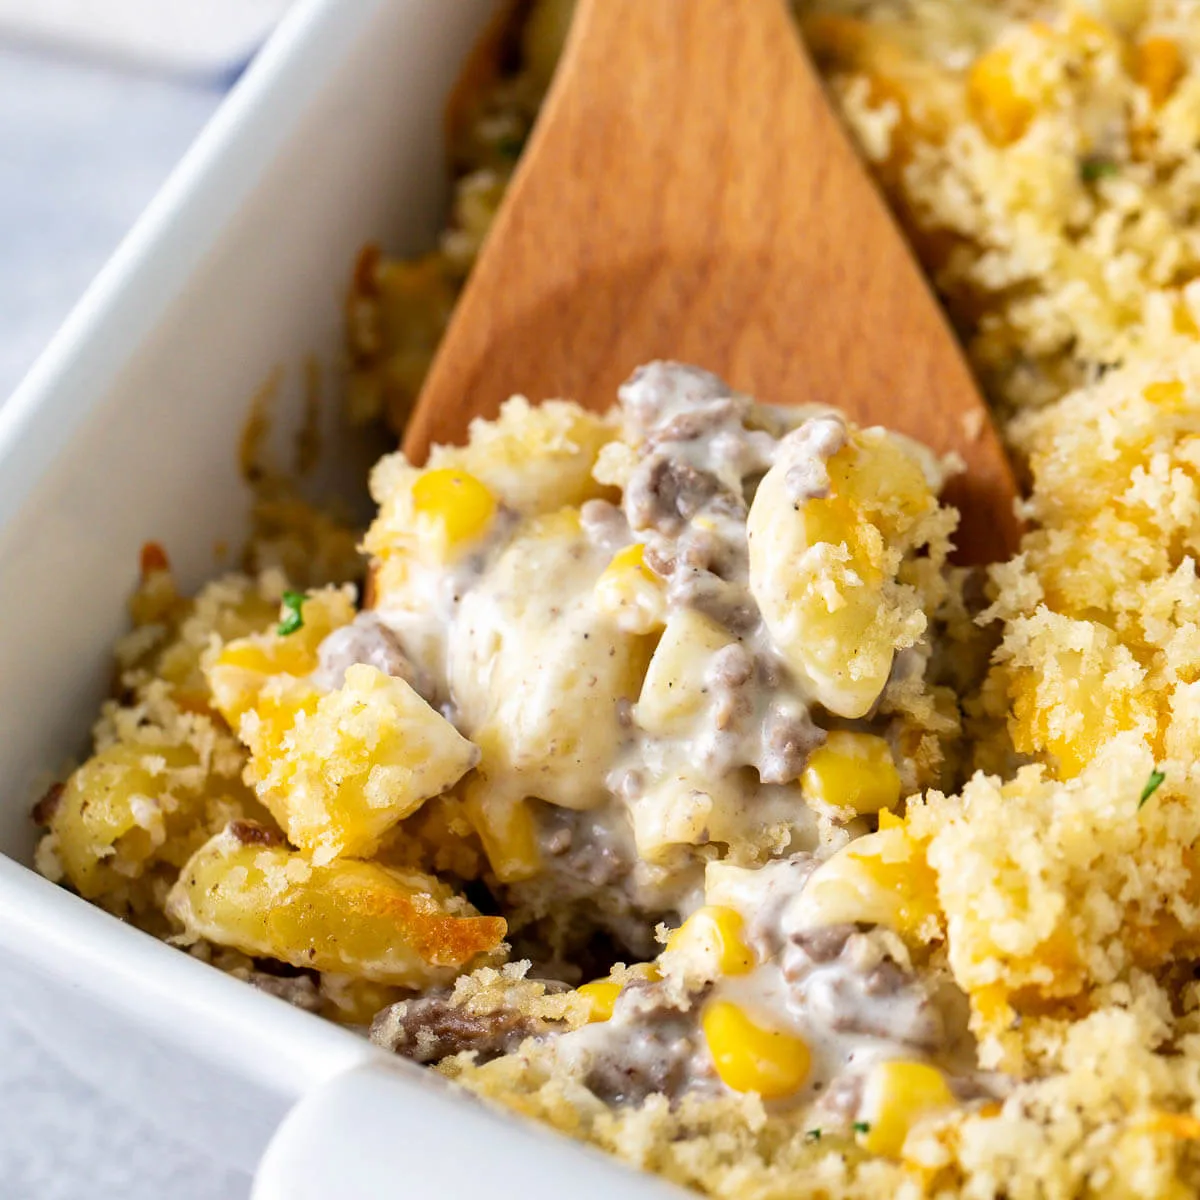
688 193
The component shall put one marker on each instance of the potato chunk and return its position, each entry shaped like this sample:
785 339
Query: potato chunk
246 890
537 671
161 784
112 812
365 757
675 693
825 554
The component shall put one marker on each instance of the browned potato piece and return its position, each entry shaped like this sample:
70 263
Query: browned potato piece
247 890
125 822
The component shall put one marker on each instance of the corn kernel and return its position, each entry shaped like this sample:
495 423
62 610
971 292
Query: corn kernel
632 558
644 970
1000 111
601 995
244 666
852 770
879 879
749 1058
458 502
717 931
1167 394
631 593
1182 320
896 1096
1158 67
1178 1125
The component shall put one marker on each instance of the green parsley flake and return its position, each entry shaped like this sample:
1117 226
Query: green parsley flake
813 1135
293 615
862 1127
1096 167
1152 786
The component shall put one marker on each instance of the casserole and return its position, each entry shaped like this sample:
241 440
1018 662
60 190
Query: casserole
1068 891
125 429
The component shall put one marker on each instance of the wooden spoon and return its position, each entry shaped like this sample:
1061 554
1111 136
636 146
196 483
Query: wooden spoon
688 193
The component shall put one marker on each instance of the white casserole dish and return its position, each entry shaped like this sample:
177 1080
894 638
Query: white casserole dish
126 430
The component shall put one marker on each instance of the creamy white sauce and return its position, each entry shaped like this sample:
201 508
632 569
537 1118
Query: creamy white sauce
636 794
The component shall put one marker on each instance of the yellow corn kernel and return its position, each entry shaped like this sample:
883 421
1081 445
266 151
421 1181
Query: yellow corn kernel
717 931
632 558
750 1058
456 501
1167 394
644 970
534 459
1182 320
879 879
1000 111
896 1096
1178 1125
852 770
1158 66
242 669
631 593
601 995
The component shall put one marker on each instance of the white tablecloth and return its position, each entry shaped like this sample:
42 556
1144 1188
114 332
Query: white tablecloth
82 149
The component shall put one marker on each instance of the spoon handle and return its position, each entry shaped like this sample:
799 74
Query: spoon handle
689 193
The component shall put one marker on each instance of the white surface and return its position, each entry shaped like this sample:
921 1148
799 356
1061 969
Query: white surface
82 150
126 429
200 36
61 1140
69 189
373 1151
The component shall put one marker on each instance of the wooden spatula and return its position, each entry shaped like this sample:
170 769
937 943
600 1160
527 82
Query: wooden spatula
688 193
